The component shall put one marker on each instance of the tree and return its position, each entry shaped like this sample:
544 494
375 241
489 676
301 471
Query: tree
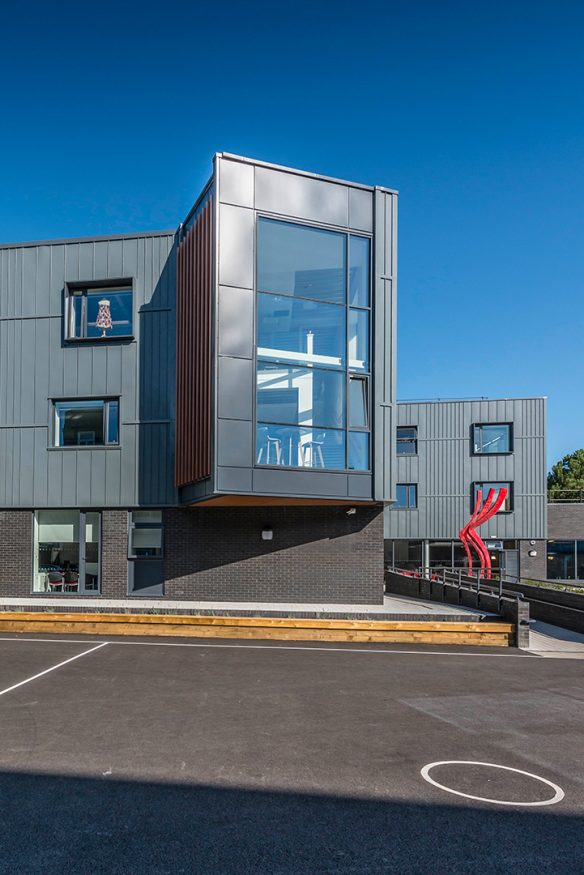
566 478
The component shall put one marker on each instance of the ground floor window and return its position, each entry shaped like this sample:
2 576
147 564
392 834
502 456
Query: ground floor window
565 560
407 554
145 534
66 550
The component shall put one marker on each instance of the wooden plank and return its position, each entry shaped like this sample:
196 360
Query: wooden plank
102 624
197 620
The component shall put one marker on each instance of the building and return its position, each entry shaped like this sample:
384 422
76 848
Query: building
208 412
446 451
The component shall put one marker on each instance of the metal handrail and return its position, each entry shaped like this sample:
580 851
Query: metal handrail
567 496
462 579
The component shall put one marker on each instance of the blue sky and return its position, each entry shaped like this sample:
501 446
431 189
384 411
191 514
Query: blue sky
475 112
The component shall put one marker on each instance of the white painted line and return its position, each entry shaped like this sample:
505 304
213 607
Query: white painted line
557 797
325 649
52 668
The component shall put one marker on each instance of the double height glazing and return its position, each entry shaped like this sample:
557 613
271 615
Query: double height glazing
312 347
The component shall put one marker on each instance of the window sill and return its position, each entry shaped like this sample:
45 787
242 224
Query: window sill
46 594
310 468
73 341
88 447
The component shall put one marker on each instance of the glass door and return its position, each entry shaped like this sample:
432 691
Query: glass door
89 565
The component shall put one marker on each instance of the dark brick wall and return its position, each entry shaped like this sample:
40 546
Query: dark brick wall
16 541
532 567
16 535
566 522
317 554
114 554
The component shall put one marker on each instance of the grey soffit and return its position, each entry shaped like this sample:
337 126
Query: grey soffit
102 238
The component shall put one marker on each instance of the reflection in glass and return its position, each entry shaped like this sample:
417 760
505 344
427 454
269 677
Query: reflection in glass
298 447
113 422
86 423
485 489
407 440
359 271
92 521
561 556
407 554
492 438
80 423
66 551
440 554
300 260
300 396
358 417
146 534
305 332
84 307
359 340
358 451
406 495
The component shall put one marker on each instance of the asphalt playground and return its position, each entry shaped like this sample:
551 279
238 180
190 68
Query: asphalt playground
158 756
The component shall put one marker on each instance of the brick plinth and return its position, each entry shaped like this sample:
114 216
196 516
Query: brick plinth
317 554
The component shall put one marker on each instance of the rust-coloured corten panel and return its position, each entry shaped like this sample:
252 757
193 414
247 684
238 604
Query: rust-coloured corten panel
193 355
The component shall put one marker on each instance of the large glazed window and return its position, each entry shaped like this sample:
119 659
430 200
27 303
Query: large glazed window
312 347
304 332
565 560
66 551
301 261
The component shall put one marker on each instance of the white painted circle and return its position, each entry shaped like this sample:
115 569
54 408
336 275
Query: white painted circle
557 797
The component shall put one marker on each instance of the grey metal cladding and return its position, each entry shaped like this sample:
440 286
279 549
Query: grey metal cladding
235 322
234 443
445 468
269 481
234 480
384 346
301 197
296 196
36 366
361 210
235 387
237 184
236 246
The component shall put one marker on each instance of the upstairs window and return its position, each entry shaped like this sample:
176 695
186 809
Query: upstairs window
485 488
312 341
406 496
492 438
87 423
407 440
99 312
